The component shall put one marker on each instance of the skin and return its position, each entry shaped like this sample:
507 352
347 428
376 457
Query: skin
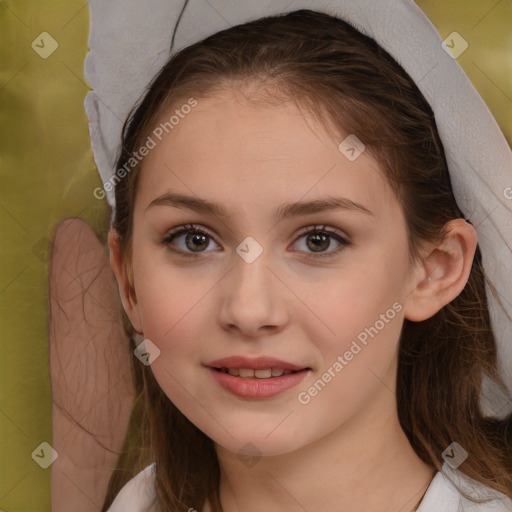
89 358
345 449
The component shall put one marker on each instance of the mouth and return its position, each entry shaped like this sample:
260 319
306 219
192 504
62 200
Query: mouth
262 367
256 377
251 373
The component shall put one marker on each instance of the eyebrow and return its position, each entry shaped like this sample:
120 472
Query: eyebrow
284 211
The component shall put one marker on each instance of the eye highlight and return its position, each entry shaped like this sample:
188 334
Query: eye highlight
195 237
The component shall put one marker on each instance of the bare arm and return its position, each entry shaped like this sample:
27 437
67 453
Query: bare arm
89 367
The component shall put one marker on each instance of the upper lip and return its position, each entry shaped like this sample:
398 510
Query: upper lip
256 363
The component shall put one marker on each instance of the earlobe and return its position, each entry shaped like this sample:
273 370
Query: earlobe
126 290
443 273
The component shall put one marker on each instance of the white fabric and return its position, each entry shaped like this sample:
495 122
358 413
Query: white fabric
129 42
138 494
441 495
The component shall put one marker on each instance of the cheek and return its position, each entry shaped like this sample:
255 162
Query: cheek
171 302
173 308
362 298
357 354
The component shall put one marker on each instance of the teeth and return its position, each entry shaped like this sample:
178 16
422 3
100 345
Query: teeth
249 373
263 374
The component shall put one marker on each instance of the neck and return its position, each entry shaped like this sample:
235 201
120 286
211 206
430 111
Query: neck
365 464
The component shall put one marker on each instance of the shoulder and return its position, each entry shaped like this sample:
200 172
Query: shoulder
444 493
138 495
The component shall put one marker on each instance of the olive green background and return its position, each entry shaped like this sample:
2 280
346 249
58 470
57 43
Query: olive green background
47 174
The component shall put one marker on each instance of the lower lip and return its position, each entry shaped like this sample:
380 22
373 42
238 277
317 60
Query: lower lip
257 388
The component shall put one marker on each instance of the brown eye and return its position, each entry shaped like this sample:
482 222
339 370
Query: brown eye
319 240
194 240
197 241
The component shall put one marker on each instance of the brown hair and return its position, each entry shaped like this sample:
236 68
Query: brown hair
351 84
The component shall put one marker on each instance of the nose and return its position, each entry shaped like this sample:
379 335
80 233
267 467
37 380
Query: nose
254 300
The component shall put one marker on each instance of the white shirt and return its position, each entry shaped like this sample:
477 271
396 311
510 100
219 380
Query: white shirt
441 495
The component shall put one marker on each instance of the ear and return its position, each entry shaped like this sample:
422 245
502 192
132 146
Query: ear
122 272
444 273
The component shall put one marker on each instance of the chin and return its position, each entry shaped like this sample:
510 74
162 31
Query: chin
253 442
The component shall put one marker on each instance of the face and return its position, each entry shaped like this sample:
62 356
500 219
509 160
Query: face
272 273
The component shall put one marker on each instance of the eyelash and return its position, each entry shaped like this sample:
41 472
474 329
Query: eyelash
196 229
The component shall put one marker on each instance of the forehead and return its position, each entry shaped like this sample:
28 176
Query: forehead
250 156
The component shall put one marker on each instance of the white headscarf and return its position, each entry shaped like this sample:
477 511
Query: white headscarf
130 41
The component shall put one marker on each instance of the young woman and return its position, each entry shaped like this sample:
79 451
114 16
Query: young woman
312 301
311 296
